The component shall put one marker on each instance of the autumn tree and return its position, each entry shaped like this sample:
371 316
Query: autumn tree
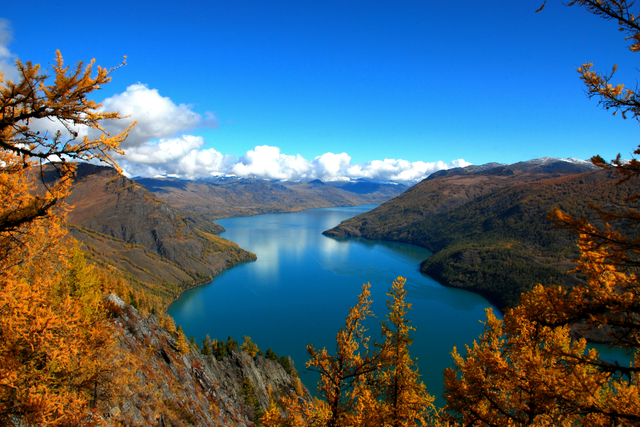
364 383
206 346
182 343
529 368
56 341
341 374
249 346
521 373
405 399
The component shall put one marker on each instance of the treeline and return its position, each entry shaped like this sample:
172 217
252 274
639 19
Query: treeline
220 349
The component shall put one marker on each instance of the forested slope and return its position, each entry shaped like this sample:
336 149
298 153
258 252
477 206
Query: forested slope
489 229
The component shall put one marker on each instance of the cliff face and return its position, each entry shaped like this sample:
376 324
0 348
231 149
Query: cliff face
173 389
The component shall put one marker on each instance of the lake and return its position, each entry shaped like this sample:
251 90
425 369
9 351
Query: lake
300 289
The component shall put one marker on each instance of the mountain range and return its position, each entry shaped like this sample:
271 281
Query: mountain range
219 198
487 225
164 241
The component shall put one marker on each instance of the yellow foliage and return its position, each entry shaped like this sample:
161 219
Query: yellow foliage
182 344
249 347
361 386
56 341
529 369
169 324
57 349
406 401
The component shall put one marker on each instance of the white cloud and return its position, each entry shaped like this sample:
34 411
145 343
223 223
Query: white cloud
157 116
159 145
183 156
331 165
401 170
267 162
7 59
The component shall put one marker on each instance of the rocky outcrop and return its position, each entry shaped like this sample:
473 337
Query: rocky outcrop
169 388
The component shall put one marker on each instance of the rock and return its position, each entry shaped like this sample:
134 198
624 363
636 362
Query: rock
192 389
114 299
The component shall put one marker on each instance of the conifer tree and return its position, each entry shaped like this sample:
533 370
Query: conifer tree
530 369
206 346
406 401
359 385
341 375
231 344
249 347
182 343
56 341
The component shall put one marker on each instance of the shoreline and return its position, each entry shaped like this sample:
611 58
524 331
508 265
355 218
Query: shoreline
209 280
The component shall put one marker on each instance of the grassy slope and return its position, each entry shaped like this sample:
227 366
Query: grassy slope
121 223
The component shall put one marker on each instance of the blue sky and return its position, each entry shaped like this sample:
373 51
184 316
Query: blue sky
417 81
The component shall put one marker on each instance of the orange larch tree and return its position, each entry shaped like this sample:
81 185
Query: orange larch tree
531 368
363 385
56 342
405 399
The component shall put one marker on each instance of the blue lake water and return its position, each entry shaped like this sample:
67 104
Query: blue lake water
300 289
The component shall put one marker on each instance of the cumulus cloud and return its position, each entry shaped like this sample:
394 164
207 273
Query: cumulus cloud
185 157
401 170
160 145
267 162
7 59
157 116
182 156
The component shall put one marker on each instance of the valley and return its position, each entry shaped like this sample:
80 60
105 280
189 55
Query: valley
164 242
231 197
486 226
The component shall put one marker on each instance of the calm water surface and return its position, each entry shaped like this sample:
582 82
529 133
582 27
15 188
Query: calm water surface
300 289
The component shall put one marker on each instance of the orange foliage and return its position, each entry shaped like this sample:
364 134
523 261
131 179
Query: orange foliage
529 368
249 346
56 343
361 386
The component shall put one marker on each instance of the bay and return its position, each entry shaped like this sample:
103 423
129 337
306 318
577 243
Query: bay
300 289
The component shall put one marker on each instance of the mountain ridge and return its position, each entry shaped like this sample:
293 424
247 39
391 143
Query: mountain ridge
210 200
120 223
488 227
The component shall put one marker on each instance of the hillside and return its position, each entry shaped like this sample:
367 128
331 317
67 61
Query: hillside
216 199
445 190
121 223
488 227
169 388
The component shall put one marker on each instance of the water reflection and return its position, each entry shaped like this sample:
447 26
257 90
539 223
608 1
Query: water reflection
301 287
